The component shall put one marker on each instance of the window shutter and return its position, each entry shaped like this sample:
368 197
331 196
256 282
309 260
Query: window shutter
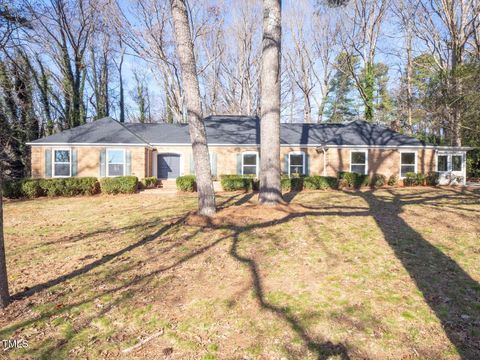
192 164
128 160
307 164
213 163
103 155
286 165
48 163
239 164
74 162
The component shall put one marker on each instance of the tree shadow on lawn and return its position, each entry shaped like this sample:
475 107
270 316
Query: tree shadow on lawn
448 290
323 349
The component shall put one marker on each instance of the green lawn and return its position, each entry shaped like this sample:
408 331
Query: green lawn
386 274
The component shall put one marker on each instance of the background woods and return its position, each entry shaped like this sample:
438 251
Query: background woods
412 63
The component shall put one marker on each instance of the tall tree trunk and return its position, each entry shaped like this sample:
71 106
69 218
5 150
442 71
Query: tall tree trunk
198 135
409 80
120 79
456 138
270 190
4 294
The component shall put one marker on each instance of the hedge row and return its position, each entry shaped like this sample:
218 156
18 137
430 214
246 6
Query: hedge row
413 179
33 188
186 183
119 185
238 182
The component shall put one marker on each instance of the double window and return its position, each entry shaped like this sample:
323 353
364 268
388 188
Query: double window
408 163
449 163
359 162
296 163
62 163
115 162
250 163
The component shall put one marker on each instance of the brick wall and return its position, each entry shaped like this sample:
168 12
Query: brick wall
381 161
88 160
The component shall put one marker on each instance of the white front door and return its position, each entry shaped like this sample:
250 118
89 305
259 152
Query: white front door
451 168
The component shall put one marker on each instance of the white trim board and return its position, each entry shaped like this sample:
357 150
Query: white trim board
152 145
88 144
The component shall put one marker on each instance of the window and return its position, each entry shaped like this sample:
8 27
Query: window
448 162
358 162
61 163
115 162
408 163
456 163
249 163
442 163
296 161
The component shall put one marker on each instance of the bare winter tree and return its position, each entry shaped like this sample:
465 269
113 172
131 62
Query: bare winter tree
405 12
198 135
4 293
360 40
270 190
446 27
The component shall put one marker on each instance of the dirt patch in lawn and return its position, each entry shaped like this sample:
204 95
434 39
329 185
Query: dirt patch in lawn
329 275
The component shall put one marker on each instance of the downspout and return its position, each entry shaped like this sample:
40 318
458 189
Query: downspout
324 161
324 150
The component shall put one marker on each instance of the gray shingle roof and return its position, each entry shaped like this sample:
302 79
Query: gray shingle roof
235 130
102 131
243 130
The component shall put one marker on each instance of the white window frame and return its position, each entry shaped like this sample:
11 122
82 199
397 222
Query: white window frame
436 160
54 162
366 160
257 160
449 156
416 162
107 170
303 161
451 162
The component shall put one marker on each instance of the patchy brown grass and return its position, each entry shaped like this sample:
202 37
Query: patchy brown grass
384 274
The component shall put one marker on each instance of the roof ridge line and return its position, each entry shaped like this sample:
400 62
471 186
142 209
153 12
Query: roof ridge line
130 131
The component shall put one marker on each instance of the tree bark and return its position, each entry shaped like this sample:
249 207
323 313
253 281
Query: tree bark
409 80
198 135
270 190
4 293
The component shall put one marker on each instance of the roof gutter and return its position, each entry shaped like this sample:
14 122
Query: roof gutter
88 144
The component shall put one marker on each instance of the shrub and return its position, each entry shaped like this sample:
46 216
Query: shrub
12 189
421 179
70 186
393 180
150 181
320 182
353 180
432 178
119 185
291 183
238 182
186 183
378 180
412 179
342 183
31 188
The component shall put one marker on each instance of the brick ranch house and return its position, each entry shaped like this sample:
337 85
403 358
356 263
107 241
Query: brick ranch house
108 148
